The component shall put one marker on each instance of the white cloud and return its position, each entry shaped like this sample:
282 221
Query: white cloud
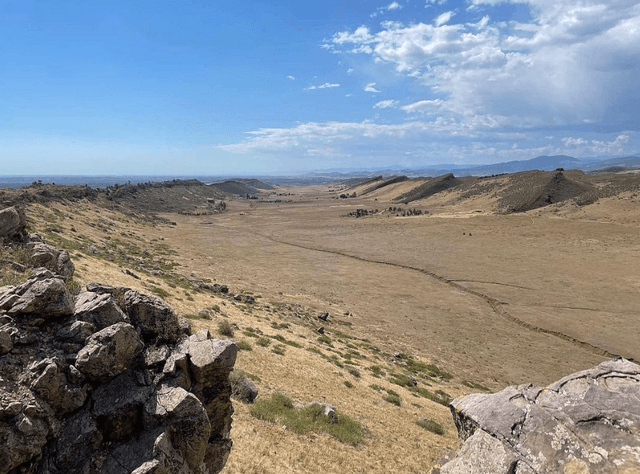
386 104
290 77
582 145
371 88
350 70
393 6
326 85
423 106
571 63
443 19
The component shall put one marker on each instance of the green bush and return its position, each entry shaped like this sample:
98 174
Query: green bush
225 328
393 398
325 339
244 346
348 384
278 349
431 425
263 341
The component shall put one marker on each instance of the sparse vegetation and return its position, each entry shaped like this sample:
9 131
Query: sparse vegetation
431 425
244 346
280 409
263 341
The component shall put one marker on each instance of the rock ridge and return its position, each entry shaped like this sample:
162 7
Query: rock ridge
108 381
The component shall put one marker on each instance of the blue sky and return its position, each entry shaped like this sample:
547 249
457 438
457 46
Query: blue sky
279 87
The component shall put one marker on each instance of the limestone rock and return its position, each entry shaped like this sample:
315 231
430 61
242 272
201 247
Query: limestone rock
99 309
210 358
588 422
6 343
109 352
45 297
152 316
51 258
190 428
13 224
243 387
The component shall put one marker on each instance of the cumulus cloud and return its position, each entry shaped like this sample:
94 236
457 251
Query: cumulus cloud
570 63
290 77
393 6
371 88
386 104
583 145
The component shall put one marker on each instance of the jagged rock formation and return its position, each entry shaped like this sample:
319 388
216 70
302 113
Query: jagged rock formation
588 422
535 189
383 183
109 382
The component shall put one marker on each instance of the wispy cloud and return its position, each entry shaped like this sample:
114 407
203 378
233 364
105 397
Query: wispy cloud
443 18
371 88
290 77
386 104
423 106
382 10
326 85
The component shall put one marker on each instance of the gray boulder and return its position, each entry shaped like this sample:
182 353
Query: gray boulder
152 316
109 352
588 422
243 387
43 295
99 309
13 224
51 258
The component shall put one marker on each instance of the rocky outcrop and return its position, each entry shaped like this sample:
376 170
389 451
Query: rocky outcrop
109 383
51 258
588 422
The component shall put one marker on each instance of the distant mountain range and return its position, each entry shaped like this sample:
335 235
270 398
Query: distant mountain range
543 163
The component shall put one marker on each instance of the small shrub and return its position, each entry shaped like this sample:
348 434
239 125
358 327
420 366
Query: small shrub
278 349
325 339
225 328
402 380
376 370
431 425
348 384
263 341
393 398
376 387
160 292
353 371
244 346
